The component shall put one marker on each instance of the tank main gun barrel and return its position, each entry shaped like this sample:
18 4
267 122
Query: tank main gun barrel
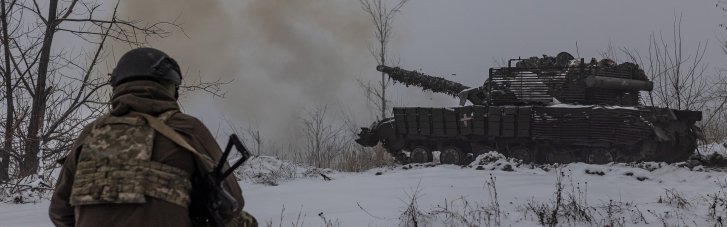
426 82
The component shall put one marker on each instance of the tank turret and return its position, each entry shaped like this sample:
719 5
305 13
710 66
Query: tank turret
541 81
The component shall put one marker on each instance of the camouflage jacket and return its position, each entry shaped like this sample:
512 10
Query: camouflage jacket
146 97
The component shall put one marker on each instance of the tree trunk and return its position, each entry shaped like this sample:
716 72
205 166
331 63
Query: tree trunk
383 77
383 96
37 115
7 76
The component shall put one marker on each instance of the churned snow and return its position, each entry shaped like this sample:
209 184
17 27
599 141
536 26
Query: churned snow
645 194
368 199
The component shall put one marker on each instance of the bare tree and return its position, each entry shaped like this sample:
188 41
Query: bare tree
46 87
681 81
382 18
50 91
249 133
679 78
7 95
716 123
323 141
254 134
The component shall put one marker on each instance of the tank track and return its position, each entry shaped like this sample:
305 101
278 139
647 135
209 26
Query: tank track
589 134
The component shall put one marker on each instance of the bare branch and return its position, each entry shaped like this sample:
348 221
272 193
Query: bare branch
382 18
213 88
70 9
55 91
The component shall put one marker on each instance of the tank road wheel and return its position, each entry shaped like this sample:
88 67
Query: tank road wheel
600 157
400 157
563 155
450 155
420 154
521 152
647 151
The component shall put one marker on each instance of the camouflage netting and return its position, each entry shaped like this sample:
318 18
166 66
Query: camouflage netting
634 69
561 60
426 82
564 59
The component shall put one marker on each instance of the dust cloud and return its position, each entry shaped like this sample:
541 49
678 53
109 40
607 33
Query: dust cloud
283 56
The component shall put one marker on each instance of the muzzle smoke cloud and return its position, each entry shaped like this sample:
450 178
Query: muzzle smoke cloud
284 55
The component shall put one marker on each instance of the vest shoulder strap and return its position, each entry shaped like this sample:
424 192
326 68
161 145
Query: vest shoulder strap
175 137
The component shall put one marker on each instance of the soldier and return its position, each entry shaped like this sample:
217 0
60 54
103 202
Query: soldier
125 169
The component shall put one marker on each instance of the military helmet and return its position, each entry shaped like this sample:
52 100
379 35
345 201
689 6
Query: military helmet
146 64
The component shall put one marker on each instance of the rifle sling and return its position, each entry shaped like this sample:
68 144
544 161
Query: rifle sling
175 137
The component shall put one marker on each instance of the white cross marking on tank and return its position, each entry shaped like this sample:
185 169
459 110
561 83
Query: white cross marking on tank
464 119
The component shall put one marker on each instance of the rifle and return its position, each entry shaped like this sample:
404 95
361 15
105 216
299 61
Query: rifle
211 203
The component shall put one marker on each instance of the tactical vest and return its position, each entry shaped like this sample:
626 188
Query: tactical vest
114 165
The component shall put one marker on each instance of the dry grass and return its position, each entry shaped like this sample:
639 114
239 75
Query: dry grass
413 216
362 159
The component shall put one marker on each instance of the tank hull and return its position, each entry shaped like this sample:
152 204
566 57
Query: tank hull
541 134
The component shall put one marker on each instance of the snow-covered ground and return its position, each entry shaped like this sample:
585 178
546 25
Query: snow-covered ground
648 194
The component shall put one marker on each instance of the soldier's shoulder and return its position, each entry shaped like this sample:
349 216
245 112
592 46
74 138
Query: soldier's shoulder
87 128
185 121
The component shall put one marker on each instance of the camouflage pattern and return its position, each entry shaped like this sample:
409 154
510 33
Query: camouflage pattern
426 82
115 166
476 95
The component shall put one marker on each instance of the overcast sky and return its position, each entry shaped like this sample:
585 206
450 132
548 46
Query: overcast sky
468 37
286 56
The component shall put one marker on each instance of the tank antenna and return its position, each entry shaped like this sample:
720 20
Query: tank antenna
577 52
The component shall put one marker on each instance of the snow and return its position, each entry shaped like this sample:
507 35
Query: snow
25 215
713 148
368 199
378 197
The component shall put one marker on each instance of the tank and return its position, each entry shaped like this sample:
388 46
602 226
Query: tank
542 110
